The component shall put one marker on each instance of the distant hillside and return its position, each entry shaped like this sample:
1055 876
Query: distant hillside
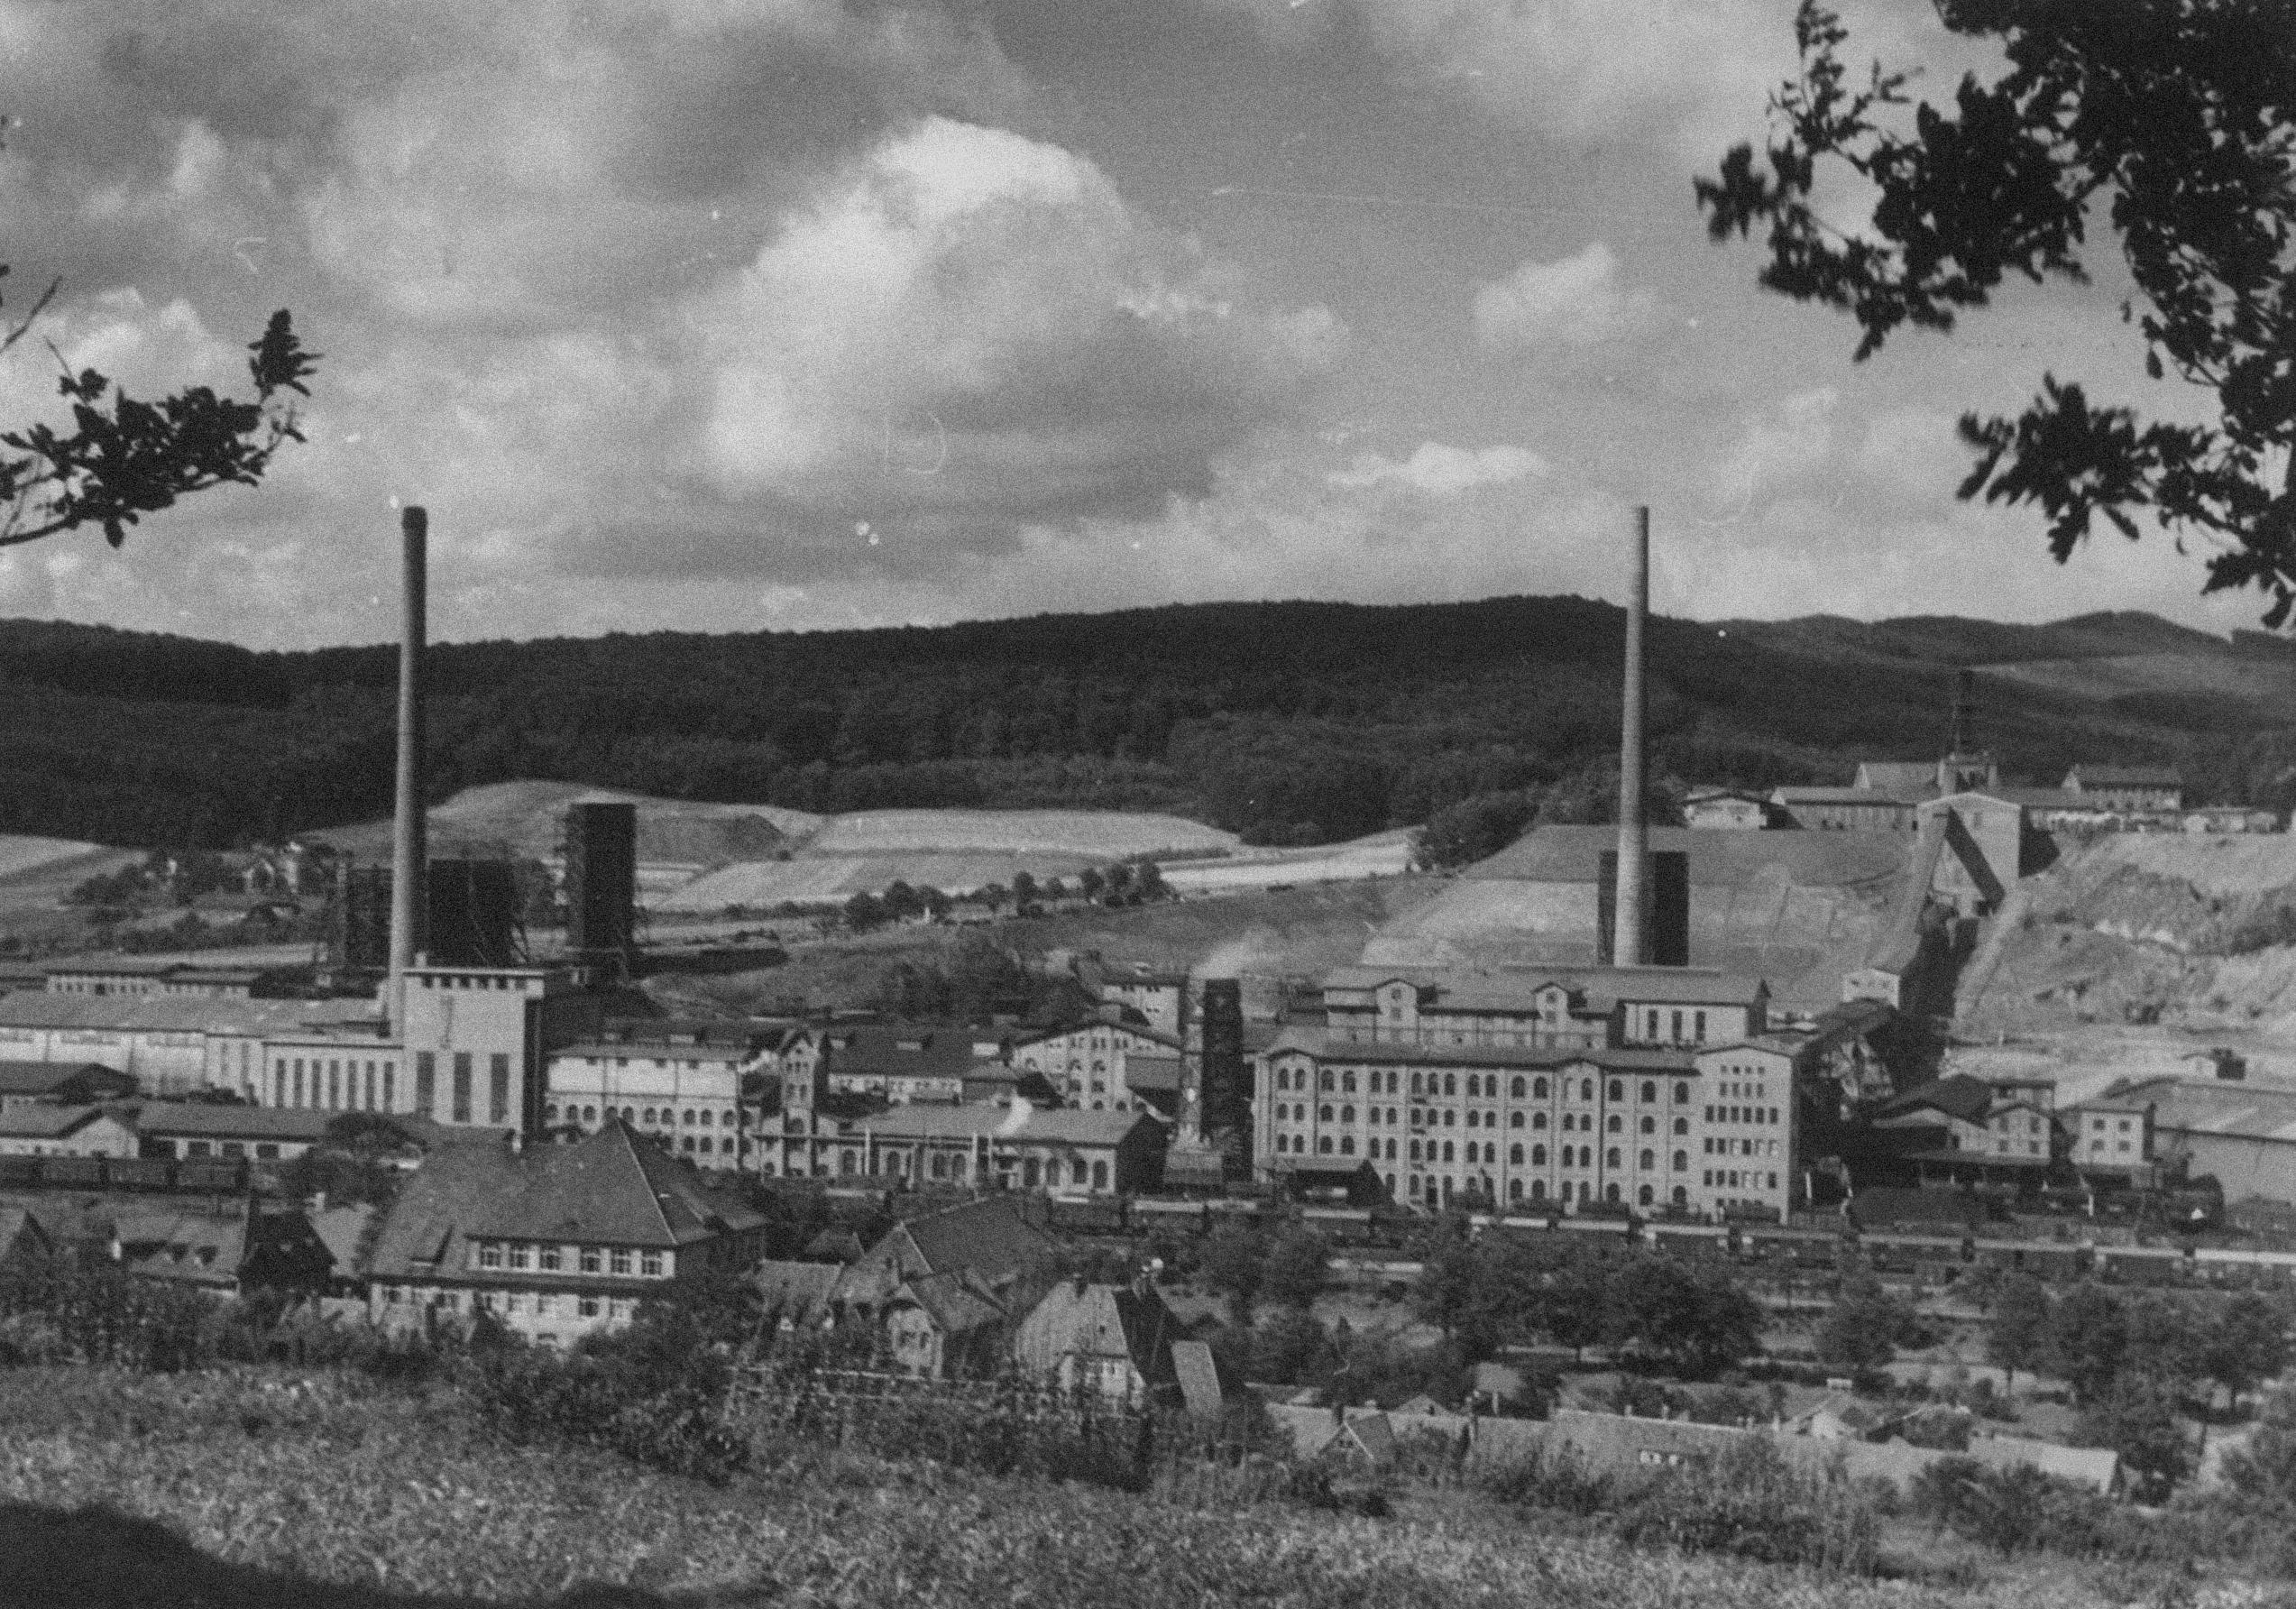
1283 723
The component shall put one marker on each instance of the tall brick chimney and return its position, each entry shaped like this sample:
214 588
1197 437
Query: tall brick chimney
1629 948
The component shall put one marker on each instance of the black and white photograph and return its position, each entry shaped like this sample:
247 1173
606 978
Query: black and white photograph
1120 803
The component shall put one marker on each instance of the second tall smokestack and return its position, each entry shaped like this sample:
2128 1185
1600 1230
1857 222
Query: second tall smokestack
1629 947
408 858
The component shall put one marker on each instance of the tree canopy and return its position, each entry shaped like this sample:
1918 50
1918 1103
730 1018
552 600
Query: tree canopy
2166 119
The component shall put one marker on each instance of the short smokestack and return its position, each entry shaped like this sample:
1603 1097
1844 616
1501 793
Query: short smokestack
1628 948
408 861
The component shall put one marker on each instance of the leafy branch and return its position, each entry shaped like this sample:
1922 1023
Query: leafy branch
2175 114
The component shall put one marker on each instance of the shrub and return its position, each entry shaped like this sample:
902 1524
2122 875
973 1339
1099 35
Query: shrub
1751 1503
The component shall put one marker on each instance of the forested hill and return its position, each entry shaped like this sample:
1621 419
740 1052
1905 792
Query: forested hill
1289 722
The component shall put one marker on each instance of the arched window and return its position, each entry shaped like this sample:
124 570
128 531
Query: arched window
1324 1145
1649 1092
1586 1088
1682 1095
1514 1189
550 1114
1538 1120
1682 1125
1538 1190
1323 1080
1475 1085
1347 1114
1390 1150
1323 1114
1681 1196
1450 1084
1514 1154
1682 1162
1415 1085
1610 1157
1649 1125
1347 1145
1539 1089
1610 1192
1516 1088
1616 1123
1539 1156
1615 1090
1515 1121
1283 1078
1446 1151
1647 1160
1347 1081
1642 1196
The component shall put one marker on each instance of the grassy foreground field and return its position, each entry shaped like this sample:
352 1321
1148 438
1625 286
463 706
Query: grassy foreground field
279 1490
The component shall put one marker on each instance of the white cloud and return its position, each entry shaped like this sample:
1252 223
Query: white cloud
1440 471
1577 301
1777 447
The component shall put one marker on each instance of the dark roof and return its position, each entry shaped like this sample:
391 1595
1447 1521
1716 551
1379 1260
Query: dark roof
204 1119
45 1078
50 1122
904 1050
988 1235
1872 1208
1960 1096
958 1301
613 1188
796 1291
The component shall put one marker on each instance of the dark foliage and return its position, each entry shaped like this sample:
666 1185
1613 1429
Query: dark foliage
1286 722
2166 119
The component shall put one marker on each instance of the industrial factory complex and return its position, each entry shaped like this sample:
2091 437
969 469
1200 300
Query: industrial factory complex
1733 1021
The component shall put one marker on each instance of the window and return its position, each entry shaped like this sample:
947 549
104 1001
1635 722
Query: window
1586 1088
489 1254
1682 1162
1516 1088
1682 1125
1322 1145
618 1260
1682 1095
1615 1124
547 1258
1515 1120
1323 1114
497 1088
1450 1084
1615 1090
590 1261
1649 1092
1514 1154
587 1307
1323 1080
1650 1126
1347 1114
1446 1151
521 1254
462 1090
1538 1120
1100 1170
1539 1089
1416 1085
1647 1160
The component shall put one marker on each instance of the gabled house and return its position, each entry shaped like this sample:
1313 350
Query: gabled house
944 1325
989 1237
1112 1341
556 1241
225 1253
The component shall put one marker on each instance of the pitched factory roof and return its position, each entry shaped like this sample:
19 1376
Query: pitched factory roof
1323 1045
176 1014
37 1078
200 1119
48 1122
1961 1096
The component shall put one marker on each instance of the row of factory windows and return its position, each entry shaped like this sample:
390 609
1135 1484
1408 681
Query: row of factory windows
1436 1189
1286 1112
693 1116
955 1165
335 1084
1485 1153
1479 1086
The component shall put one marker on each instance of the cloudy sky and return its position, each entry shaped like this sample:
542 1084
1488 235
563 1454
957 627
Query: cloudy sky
713 315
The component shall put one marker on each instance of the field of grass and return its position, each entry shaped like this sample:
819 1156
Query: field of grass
284 1490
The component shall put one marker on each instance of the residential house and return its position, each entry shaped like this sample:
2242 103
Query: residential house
945 1325
990 1237
242 1248
1113 1341
1727 809
555 1241
343 1230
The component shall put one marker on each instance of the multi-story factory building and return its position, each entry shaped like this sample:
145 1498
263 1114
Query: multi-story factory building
1633 1088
